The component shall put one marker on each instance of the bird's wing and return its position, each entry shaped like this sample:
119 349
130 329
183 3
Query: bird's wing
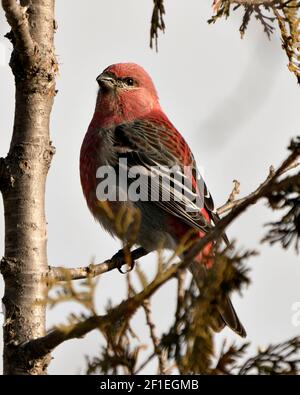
153 143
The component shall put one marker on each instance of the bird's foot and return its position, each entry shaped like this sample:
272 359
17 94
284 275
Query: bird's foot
124 257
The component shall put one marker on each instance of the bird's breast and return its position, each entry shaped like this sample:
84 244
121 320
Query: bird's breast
97 156
91 158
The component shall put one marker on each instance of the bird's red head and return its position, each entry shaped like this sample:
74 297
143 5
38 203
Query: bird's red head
126 93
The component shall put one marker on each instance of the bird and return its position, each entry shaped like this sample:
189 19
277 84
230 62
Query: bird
130 127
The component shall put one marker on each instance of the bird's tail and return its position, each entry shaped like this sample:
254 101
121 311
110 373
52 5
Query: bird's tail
226 312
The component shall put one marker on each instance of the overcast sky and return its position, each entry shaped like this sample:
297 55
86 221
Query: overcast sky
234 101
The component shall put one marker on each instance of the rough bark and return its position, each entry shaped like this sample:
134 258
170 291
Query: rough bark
23 176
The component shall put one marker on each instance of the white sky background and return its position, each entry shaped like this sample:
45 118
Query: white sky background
234 101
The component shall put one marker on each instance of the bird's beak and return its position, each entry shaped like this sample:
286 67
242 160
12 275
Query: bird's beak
106 81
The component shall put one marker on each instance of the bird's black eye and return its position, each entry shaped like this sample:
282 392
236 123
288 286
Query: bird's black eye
129 81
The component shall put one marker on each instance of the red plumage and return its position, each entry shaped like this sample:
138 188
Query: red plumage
129 123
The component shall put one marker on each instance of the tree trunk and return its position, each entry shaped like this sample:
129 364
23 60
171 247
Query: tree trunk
23 176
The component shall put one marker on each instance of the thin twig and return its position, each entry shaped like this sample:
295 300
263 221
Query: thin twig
235 191
158 351
145 363
230 204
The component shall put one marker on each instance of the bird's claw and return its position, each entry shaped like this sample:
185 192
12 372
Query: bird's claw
122 257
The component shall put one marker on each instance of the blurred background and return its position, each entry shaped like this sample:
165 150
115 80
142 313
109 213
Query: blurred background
236 104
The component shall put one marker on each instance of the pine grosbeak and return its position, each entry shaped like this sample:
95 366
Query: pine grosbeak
129 123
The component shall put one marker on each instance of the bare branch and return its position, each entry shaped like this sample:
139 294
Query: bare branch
38 347
42 346
79 273
232 202
17 19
